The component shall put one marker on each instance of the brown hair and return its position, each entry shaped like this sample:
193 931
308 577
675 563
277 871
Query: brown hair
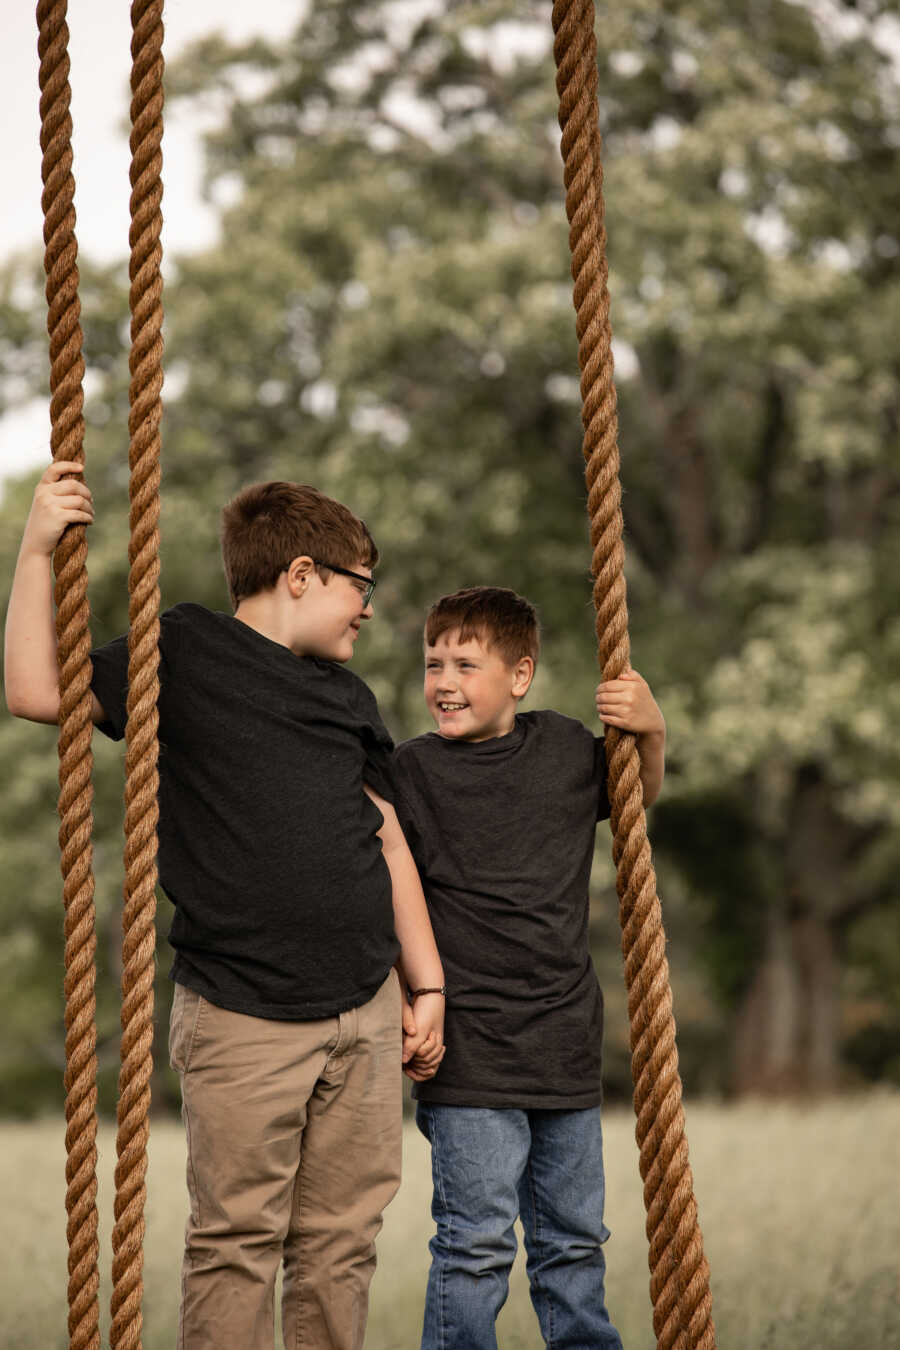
267 525
499 618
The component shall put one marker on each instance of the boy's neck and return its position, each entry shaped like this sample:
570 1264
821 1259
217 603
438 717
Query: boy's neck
264 615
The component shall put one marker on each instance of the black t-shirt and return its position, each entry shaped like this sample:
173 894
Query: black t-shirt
503 835
268 845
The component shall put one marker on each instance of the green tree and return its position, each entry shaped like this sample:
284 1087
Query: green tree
759 287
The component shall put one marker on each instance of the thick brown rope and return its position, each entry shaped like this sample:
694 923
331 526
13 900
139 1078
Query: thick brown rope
142 749
73 655
679 1282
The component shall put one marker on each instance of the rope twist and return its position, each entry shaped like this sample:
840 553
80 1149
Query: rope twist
141 755
73 648
679 1283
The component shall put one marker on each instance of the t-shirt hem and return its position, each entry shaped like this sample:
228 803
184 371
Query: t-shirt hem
279 1012
521 1101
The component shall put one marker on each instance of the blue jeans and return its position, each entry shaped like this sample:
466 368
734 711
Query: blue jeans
489 1166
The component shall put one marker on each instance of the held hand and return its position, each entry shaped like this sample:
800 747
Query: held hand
58 501
426 1061
423 1036
408 1023
627 703
411 1040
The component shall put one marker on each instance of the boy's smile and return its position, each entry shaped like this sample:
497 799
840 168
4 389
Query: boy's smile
470 691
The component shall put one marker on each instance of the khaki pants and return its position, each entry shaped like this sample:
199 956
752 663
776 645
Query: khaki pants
293 1148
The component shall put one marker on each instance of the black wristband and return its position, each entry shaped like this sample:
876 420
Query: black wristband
414 993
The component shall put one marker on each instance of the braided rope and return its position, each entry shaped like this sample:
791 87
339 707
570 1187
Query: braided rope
142 749
679 1282
73 656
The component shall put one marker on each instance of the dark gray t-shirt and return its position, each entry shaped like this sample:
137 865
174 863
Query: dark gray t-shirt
503 835
268 846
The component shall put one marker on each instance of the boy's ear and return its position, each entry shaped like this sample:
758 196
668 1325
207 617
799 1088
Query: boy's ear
299 573
523 674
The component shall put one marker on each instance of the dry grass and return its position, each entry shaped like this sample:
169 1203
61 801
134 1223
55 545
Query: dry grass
799 1209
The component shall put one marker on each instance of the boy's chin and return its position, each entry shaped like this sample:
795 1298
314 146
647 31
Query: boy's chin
344 653
450 732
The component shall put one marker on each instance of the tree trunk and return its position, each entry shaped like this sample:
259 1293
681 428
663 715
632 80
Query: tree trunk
787 1026
769 1017
786 1030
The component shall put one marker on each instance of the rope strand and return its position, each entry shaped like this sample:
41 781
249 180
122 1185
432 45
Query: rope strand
73 658
679 1283
142 749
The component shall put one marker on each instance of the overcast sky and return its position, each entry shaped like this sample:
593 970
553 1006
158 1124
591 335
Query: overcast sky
99 48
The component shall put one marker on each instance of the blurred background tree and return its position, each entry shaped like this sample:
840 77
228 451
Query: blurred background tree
388 314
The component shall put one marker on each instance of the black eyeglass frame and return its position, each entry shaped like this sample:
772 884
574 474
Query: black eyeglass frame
369 582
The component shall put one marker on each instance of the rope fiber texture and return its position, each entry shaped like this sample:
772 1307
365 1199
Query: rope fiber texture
142 746
73 658
679 1279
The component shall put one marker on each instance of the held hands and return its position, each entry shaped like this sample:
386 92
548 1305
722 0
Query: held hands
58 501
627 703
423 1036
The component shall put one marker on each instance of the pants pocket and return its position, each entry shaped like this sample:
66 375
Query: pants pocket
184 1025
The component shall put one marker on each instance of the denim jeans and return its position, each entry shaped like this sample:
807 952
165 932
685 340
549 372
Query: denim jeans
488 1167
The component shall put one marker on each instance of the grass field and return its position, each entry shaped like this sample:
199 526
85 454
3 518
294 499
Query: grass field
800 1210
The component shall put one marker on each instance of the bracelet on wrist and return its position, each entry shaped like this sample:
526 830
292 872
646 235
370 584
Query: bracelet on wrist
436 989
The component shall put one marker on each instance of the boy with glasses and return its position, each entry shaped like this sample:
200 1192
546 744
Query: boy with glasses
500 809
294 894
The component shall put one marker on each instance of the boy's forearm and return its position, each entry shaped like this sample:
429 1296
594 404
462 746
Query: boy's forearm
651 748
419 960
420 969
61 499
30 674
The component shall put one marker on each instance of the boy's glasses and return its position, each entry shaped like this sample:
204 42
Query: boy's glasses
368 583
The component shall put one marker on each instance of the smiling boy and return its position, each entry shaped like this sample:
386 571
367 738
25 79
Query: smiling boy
294 891
500 808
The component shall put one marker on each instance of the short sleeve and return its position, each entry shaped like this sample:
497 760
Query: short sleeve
109 676
109 682
378 770
600 778
406 814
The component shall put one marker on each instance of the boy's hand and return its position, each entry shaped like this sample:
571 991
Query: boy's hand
407 1018
423 1037
58 501
627 703
425 1063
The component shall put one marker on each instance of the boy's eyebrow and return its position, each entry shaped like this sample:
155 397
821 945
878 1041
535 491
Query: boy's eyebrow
464 660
